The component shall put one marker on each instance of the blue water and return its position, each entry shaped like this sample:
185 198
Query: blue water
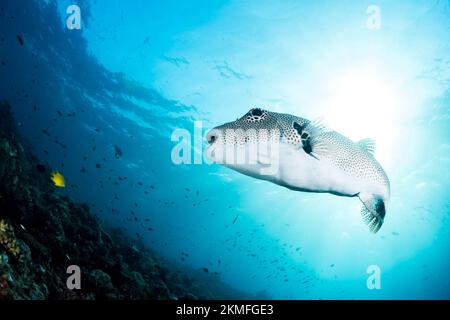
138 70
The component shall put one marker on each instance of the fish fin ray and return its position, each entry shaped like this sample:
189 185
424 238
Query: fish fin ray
373 211
368 145
312 142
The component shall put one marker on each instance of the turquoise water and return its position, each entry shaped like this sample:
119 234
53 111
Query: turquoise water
138 70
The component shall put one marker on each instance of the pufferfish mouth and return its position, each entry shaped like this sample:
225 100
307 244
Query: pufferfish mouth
214 149
212 136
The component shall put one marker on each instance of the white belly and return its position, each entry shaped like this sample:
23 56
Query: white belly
300 171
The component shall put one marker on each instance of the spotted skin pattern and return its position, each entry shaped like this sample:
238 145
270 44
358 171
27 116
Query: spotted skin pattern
354 159
341 151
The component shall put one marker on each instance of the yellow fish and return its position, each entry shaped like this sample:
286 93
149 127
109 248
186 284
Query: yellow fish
58 179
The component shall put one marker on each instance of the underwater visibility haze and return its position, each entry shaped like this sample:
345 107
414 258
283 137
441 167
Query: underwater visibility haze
114 101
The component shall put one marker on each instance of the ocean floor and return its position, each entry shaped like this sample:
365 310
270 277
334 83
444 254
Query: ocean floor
43 233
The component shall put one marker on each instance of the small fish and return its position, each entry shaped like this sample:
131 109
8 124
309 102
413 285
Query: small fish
58 179
205 270
117 152
20 39
235 219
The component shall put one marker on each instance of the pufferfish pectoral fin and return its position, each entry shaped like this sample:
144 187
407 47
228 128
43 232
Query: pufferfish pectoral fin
310 137
373 211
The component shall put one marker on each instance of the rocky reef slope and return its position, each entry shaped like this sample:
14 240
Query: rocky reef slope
42 233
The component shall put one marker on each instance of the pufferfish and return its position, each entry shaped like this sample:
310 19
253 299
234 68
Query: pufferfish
303 155
58 179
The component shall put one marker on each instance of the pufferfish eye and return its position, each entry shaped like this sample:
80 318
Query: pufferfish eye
256 112
255 115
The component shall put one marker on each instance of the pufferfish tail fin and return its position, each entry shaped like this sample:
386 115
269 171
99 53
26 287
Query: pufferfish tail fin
373 211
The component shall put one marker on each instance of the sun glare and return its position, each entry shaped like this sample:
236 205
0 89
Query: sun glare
364 104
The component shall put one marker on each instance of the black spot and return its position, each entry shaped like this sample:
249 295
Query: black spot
379 208
304 135
307 147
256 112
299 128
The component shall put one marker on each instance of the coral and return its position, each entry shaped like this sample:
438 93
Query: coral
7 239
43 233
3 226
3 286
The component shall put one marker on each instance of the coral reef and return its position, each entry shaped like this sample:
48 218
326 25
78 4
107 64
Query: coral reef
42 233
8 241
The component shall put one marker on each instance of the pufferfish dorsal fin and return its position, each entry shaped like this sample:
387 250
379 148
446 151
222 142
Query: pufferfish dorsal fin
310 137
368 145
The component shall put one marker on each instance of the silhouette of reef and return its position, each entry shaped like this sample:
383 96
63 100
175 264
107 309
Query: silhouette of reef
42 233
